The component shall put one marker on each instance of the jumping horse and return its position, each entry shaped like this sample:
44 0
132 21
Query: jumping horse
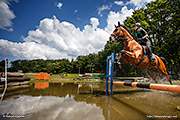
134 53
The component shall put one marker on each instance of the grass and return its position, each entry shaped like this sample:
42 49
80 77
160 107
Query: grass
66 76
54 78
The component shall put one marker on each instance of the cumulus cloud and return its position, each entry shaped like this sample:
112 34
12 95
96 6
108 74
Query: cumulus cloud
59 5
28 50
103 8
118 2
114 17
6 15
139 3
94 22
55 40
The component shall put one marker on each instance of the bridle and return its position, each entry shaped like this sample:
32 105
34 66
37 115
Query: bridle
117 37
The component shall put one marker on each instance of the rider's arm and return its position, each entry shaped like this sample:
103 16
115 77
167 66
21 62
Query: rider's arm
144 33
145 36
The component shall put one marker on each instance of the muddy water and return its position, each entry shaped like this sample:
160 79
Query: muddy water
88 102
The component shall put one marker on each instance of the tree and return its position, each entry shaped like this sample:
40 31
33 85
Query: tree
161 20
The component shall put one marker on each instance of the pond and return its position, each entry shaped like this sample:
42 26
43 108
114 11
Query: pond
60 101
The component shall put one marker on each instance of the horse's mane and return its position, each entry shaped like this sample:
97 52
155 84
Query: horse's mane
129 31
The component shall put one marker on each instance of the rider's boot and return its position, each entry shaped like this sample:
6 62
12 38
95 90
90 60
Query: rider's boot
152 59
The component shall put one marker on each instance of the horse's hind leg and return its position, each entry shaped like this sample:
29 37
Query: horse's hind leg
165 73
169 79
162 68
152 76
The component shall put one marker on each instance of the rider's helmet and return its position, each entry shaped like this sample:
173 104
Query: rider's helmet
137 24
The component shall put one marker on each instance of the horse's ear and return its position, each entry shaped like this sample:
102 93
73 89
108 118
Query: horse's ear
119 24
115 26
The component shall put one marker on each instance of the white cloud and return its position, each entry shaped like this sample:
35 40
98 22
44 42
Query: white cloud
75 11
118 2
55 40
114 17
94 22
28 50
6 16
103 8
139 3
59 5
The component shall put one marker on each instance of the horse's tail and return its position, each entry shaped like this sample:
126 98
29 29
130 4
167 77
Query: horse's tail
164 61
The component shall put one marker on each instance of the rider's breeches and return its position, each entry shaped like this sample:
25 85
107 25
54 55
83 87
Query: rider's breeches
148 45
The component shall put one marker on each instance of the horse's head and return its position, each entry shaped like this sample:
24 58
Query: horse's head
117 33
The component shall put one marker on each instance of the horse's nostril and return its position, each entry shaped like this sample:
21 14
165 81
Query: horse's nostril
110 38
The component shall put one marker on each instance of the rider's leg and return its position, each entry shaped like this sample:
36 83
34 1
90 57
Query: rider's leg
148 45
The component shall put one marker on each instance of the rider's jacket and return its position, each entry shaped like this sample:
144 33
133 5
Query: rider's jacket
141 33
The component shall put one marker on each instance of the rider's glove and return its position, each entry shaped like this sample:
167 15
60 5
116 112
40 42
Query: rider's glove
139 39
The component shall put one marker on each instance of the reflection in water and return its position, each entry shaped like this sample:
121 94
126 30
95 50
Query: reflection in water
90 87
41 85
51 108
85 85
62 101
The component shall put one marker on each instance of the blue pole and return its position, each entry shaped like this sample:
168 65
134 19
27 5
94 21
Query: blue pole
109 73
112 63
107 76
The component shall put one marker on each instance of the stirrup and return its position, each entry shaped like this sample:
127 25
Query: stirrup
152 59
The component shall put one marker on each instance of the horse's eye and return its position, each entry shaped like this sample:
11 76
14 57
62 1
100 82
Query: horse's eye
115 30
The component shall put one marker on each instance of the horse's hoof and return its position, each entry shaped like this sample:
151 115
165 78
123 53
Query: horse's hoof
121 51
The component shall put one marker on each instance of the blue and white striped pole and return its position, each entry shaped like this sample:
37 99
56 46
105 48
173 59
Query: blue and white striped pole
109 73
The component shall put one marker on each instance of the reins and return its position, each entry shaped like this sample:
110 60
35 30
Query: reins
119 37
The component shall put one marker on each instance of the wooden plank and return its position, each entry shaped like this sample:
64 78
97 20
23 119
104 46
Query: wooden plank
12 74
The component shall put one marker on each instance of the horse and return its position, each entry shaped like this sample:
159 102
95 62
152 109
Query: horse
134 53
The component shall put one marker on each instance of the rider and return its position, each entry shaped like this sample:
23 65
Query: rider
143 39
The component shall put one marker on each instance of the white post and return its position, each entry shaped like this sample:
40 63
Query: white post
6 69
5 80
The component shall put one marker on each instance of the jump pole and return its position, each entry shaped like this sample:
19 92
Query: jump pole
109 71
109 75
161 87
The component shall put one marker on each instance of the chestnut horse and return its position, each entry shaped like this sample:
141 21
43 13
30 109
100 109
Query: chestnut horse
133 52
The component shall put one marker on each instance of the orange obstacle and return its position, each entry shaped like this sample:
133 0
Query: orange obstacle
42 76
41 85
162 87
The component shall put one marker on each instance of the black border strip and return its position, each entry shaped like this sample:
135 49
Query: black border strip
143 85
127 83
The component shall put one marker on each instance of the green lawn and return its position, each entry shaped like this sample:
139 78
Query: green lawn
54 78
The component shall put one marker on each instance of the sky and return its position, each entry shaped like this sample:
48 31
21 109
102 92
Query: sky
56 29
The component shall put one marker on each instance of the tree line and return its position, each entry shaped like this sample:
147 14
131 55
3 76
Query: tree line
160 19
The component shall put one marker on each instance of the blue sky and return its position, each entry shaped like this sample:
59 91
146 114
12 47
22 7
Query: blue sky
55 29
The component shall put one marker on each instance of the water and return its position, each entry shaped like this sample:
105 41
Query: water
56 101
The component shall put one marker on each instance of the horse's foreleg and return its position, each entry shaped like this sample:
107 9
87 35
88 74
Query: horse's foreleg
124 57
130 54
152 76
